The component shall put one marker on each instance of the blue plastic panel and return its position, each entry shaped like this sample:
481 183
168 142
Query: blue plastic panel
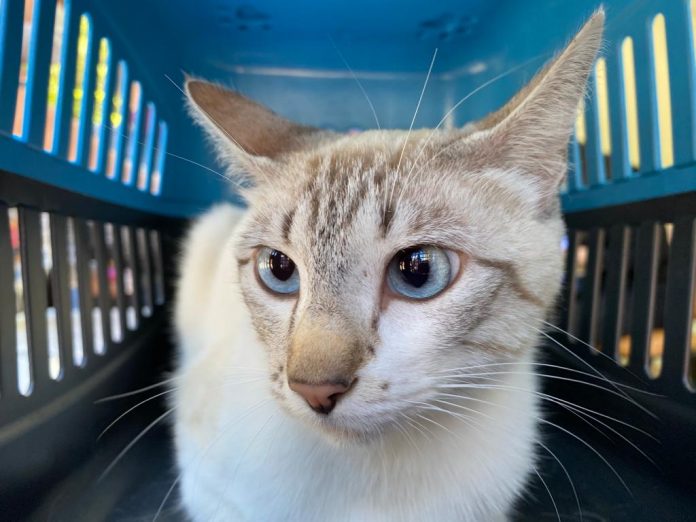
315 62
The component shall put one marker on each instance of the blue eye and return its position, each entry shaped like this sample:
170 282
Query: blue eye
277 271
421 272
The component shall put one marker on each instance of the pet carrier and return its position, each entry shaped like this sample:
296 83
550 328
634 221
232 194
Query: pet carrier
100 167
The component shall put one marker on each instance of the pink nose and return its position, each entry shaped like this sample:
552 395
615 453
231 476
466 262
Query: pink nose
320 397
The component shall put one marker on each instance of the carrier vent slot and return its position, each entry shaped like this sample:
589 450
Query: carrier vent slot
9 363
55 361
603 116
60 291
23 360
28 37
160 157
580 152
99 288
132 148
589 323
145 260
76 323
78 109
85 285
678 301
157 266
630 100
130 278
109 277
661 86
101 107
117 118
115 281
578 255
613 305
146 154
54 76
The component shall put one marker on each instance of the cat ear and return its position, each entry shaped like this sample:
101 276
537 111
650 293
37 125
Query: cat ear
247 135
531 132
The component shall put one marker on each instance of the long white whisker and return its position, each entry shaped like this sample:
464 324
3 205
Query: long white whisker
410 128
594 349
565 471
357 80
457 105
619 390
152 398
591 448
135 392
551 376
545 365
134 442
555 507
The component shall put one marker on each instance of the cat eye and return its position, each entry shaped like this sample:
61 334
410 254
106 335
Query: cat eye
277 271
421 272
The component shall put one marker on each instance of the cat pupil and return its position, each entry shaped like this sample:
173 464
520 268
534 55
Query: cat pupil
282 267
414 265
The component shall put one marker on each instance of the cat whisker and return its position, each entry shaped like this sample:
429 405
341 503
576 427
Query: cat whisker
547 376
556 377
176 156
141 403
419 427
357 80
567 474
479 426
452 371
568 432
133 442
581 413
542 420
410 128
553 501
617 388
591 448
458 104
476 425
595 350
407 436
571 406
136 392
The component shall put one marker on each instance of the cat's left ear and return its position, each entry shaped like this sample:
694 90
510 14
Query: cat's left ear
248 137
531 132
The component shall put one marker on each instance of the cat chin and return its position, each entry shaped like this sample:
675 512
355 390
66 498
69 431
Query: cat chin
344 433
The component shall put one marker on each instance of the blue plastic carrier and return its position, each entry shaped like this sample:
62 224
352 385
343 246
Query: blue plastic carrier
100 167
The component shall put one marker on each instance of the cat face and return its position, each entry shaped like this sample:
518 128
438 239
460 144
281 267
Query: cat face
375 266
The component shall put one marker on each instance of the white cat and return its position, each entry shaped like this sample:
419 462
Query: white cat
357 344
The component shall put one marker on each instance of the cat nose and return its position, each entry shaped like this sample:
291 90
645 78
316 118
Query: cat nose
320 397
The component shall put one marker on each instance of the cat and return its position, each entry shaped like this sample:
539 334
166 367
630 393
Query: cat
358 344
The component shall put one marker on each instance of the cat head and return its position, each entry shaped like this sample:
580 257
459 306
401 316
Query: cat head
376 266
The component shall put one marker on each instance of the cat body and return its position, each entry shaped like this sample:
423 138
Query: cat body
358 344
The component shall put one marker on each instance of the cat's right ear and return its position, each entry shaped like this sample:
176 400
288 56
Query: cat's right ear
248 137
